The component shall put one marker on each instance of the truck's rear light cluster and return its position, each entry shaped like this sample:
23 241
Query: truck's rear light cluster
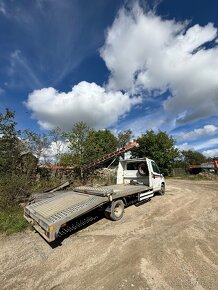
47 234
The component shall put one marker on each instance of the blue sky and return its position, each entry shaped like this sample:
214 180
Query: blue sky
114 64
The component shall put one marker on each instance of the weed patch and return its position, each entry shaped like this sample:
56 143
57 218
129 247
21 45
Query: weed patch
12 220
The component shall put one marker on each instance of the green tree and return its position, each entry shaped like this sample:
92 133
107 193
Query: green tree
160 147
67 159
56 139
10 145
99 143
77 138
124 138
7 124
36 143
193 157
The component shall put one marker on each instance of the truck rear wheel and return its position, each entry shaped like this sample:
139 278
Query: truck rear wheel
116 210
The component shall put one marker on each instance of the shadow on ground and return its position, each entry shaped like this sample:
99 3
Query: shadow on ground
78 224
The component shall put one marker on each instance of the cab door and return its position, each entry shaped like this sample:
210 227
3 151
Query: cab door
156 176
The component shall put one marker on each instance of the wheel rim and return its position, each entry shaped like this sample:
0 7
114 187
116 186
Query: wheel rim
118 210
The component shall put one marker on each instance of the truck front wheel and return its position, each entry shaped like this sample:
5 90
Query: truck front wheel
162 190
115 211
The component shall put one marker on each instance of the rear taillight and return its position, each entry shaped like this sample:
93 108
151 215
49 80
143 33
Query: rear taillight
47 234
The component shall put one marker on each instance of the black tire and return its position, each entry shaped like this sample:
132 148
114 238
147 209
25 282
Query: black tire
107 214
162 190
116 210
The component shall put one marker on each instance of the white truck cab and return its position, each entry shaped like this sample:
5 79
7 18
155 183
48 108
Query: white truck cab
141 171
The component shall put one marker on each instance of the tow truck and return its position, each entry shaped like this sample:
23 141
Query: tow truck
137 180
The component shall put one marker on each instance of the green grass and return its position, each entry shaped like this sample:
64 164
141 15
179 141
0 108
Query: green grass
12 220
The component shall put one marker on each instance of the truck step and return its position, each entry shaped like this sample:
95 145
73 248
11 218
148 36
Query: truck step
145 195
142 202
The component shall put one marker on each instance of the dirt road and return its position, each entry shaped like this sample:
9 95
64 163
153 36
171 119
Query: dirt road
168 243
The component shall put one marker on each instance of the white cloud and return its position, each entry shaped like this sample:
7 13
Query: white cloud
54 150
207 144
184 147
145 52
199 146
211 153
2 8
86 102
146 55
197 133
140 124
19 63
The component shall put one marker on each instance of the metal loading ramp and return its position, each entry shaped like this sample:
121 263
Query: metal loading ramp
64 207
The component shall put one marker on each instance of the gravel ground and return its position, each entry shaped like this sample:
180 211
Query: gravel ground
168 243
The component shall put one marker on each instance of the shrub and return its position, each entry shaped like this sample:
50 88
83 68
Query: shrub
13 189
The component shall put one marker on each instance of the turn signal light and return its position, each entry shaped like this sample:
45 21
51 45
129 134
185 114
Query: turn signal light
51 228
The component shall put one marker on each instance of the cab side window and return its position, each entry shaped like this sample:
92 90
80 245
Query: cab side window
132 166
155 167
